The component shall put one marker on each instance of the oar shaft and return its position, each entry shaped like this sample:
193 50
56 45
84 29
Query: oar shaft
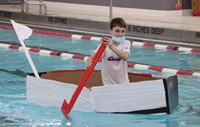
66 108
86 75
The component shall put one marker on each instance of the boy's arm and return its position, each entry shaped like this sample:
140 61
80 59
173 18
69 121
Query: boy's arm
121 54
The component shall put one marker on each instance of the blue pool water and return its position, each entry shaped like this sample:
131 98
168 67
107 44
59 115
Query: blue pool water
15 111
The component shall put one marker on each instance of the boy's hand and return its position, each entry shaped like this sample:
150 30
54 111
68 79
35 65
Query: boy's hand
108 41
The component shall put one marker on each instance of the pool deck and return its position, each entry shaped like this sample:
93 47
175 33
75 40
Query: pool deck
177 26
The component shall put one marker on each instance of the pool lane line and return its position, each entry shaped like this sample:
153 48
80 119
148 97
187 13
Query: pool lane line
70 55
134 43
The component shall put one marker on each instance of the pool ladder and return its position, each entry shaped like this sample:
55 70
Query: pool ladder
26 3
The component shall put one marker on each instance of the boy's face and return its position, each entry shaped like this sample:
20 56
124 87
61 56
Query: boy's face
118 31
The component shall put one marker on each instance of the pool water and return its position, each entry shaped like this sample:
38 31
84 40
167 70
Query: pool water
15 111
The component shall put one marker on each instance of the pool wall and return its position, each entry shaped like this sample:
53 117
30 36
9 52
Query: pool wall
132 30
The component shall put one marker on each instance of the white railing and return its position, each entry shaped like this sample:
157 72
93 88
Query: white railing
26 3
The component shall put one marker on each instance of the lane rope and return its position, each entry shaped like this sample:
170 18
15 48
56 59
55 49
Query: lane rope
69 55
134 43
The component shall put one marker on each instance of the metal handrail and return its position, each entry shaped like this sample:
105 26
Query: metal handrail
40 3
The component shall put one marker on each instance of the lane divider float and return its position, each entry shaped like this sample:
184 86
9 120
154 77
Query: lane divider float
134 43
69 55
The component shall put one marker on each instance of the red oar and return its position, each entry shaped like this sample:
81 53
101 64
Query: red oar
66 108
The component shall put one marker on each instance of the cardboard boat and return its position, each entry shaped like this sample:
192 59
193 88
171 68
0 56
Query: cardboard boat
145 94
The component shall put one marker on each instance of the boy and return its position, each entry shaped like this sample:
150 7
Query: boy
114 58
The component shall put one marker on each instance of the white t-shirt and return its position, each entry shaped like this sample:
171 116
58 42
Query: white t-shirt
115 70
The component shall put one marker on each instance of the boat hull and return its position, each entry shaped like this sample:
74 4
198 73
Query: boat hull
145 94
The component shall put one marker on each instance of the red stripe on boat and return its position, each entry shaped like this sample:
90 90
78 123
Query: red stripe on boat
14 47
156 68
142 75
86 37
34 49
78 57
58 71
185 72
163 107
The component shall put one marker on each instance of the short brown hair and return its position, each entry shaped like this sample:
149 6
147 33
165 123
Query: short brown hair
117 22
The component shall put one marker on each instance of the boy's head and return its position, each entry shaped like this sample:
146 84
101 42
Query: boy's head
117 22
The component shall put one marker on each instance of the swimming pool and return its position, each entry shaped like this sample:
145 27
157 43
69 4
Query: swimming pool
15 111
